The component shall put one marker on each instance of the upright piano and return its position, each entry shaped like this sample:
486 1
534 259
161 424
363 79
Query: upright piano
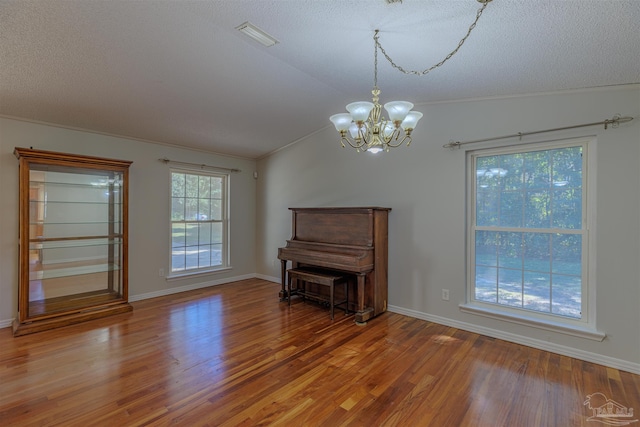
353 240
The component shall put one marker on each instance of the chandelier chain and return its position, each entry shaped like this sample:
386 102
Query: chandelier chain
422 73
375 60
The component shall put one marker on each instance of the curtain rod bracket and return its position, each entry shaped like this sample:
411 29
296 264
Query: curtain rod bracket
614 122
452 144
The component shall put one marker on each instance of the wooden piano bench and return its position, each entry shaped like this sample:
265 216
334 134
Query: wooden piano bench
323 277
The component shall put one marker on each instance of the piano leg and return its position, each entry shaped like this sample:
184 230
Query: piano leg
283 272
363 314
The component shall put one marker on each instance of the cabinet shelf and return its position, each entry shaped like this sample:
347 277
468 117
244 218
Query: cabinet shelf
72 202
82 301
74 184
67 271
75 222
74 242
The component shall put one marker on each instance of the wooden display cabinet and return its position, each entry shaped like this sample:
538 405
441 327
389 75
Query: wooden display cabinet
73 239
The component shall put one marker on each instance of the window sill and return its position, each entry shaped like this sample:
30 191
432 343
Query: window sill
185 275
548 325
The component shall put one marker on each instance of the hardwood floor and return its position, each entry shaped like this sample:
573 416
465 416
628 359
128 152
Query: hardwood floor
232 355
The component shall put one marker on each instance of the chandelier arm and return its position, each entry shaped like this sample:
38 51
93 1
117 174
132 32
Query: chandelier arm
366 133
393 137
351 143
426 71
404 138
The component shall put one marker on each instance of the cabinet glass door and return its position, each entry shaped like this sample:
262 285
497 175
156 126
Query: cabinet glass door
75 238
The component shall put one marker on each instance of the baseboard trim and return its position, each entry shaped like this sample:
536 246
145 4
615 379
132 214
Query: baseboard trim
268 278
178 289
587 356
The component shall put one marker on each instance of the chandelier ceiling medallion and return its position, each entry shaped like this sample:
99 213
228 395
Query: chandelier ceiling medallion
365 128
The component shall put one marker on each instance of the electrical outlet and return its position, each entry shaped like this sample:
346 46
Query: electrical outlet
445 294
161 272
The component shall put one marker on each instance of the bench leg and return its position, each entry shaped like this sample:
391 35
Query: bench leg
346 296
283 275
331 300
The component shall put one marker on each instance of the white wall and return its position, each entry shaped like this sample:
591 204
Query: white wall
149 207
425 187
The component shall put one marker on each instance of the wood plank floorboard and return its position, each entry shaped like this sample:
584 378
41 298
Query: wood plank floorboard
233 355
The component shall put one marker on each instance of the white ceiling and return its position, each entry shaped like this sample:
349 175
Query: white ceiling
177 71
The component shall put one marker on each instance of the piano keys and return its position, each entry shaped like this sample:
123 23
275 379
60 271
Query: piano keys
353 240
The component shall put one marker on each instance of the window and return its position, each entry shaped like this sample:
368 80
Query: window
528 233
198 222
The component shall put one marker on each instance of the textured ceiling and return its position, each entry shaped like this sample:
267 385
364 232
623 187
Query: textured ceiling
177 71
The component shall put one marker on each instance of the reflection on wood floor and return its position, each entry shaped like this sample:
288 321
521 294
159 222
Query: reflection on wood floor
232 355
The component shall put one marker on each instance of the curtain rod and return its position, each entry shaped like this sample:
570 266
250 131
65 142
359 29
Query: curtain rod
201 166
614 122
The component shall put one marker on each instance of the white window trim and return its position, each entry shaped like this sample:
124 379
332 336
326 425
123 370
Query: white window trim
583 331
226 255
584 327
193 273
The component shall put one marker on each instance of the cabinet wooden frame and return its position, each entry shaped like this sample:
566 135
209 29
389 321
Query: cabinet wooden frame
82 303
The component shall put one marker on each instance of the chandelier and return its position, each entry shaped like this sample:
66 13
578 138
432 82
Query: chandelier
366 129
